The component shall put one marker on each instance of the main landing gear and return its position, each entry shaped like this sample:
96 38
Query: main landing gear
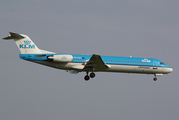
87 77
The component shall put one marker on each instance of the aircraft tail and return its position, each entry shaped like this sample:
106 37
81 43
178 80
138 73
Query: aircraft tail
24 43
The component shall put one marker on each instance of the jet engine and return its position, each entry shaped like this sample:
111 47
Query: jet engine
60 58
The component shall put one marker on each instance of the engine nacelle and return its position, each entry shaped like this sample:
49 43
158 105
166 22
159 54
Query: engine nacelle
61 58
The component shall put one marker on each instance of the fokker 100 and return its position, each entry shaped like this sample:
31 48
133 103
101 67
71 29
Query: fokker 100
75 63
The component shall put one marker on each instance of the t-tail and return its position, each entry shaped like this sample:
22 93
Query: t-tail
24 43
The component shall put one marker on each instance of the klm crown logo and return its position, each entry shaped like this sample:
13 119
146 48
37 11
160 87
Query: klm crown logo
27 42
146 60
27 45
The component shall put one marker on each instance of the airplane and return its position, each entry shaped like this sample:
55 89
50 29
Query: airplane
75 63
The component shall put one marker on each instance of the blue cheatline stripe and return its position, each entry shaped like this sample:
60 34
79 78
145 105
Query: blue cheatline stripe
81 59
122 64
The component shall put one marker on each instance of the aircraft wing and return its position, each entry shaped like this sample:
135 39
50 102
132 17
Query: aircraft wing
95 63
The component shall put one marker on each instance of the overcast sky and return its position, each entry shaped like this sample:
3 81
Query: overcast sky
139 28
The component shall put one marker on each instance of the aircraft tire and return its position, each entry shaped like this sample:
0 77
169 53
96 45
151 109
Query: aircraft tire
155 79
92 75
86 77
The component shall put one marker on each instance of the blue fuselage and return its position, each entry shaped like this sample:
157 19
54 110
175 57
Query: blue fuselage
116 64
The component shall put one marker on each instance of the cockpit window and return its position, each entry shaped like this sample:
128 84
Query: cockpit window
162 63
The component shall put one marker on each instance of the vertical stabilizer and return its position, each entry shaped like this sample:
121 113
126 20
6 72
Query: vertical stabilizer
24 43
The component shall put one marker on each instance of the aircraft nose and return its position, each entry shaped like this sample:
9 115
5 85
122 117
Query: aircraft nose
169 70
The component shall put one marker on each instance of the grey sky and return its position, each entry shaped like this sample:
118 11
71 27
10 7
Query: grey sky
139 28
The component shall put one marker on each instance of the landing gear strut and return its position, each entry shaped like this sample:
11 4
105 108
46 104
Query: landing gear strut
87 77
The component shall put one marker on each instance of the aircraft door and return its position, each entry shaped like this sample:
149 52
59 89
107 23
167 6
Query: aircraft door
155 65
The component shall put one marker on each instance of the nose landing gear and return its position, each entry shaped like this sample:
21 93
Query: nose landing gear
155 78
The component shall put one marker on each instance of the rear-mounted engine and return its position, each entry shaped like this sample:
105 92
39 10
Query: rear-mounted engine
60 58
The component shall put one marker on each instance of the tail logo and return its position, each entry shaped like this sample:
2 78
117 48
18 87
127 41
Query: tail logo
27 42
27 45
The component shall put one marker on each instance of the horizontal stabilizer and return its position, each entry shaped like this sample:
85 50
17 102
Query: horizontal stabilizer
13 36
24 43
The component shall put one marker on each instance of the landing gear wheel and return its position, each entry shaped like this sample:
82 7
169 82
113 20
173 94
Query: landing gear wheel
86 77
155 79
92 75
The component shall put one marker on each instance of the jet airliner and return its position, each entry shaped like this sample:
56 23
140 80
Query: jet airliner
75 63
